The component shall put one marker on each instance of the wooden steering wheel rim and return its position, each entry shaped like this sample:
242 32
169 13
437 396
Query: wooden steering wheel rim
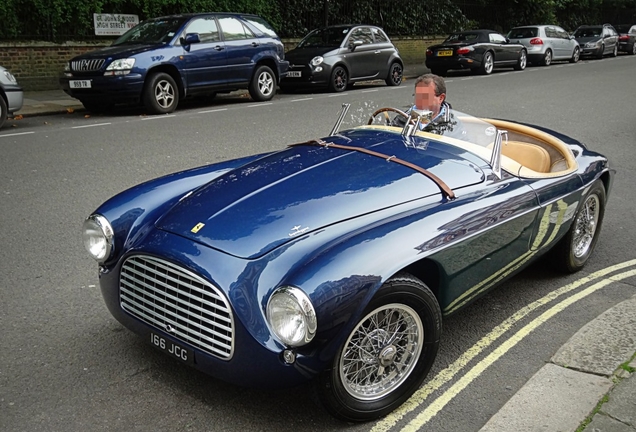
384 110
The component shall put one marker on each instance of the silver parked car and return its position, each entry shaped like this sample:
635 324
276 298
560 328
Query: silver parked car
10 95
597 40
546 43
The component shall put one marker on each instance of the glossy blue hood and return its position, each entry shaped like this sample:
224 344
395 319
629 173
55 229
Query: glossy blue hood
253 209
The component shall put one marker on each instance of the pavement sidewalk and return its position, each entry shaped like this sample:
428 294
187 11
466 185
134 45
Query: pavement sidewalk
590 383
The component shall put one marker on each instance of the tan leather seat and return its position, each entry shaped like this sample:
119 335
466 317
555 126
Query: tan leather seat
529 155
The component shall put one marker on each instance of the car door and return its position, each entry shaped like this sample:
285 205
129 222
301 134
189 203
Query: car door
242 48
504 52
610 39
566 43
204 61
386 48
363 56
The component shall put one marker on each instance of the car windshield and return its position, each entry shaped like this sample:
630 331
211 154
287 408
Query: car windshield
462 37
151 32
523 33
588 32
325 37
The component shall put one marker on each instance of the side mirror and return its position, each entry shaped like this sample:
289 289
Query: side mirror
354 44
190 38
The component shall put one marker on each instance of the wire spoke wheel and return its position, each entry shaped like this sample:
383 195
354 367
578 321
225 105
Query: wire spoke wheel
585 226
381 353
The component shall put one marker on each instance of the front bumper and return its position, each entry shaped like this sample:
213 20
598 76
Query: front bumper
594 51
126 88
309 76
15 98
256 360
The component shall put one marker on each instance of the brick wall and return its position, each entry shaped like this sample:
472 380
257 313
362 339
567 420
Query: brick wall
38 65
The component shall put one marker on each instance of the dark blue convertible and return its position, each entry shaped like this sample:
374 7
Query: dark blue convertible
335 259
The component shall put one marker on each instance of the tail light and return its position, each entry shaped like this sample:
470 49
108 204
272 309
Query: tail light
536 41
429 52
623 37
464 50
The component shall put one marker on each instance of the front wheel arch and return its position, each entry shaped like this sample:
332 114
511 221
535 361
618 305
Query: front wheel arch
394 361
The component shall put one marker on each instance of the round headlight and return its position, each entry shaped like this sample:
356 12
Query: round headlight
291 316
316 61
98 237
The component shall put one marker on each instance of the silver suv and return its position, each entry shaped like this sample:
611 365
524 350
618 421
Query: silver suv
546 43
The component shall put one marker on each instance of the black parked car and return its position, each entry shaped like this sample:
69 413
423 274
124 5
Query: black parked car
626 38
338 56
478 50
597 40
162 60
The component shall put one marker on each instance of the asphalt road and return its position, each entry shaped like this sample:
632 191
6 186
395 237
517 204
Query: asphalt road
67 365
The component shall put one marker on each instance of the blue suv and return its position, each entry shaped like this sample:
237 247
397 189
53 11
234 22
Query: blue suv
163 60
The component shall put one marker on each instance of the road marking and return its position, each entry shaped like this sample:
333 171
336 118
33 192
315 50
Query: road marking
158 117
259 104
466 79
453 369
211 111
339 94
369 91
92 125
299 100
16 134
506 346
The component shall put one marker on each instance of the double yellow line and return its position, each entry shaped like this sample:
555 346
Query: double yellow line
446 375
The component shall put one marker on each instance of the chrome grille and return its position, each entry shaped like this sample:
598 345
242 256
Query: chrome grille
87 65
178 302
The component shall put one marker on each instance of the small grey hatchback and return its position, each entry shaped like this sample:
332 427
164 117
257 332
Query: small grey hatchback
11 95
546 43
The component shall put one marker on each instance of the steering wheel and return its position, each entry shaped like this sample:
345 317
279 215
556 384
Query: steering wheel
386 115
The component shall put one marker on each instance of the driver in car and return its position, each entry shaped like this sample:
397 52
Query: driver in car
430 95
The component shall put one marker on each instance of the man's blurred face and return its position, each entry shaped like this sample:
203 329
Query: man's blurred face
425 98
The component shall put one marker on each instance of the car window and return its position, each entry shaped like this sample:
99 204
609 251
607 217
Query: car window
379 35
153 31
588 32
562 33
550 32
233 29
496 38
523 33
329 37
462 37
361 34
261 24
206 28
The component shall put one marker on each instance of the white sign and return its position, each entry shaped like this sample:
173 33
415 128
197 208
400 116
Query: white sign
114 24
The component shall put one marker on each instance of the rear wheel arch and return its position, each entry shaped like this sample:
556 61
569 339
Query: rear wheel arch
270 63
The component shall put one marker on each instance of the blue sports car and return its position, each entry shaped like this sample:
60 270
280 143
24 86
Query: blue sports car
335 259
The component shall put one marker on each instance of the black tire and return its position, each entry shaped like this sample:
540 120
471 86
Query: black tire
573 251
396 72
161 94
547 58
339 79
576 55
403 360
599 55
487 63
633 51
523 61
615 52
263 84
3 111
97 107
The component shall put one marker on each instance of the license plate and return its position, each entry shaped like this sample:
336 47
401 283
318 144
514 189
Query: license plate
294 74
172 349
445 53
79 84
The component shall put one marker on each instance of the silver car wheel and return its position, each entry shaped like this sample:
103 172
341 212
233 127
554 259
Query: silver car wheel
164 94
265 83
547 59
381 352
577 55
585 226
488 63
